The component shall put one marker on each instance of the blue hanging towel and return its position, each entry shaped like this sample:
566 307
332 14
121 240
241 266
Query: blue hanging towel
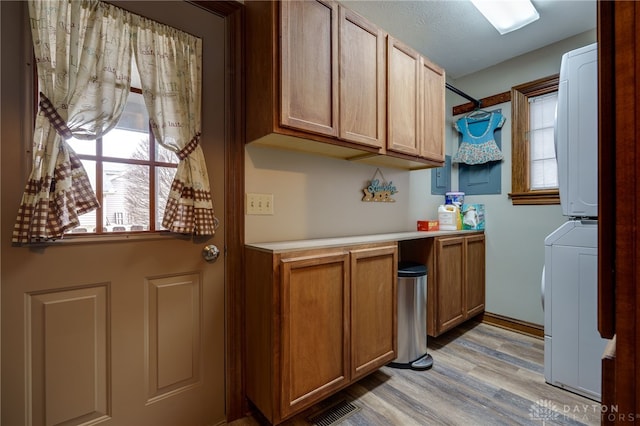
478 145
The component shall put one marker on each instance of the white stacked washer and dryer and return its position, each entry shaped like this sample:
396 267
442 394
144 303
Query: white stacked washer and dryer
573 347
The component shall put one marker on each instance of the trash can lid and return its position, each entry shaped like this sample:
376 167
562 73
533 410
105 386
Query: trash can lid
411 269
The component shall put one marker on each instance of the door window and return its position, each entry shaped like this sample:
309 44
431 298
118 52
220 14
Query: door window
130 173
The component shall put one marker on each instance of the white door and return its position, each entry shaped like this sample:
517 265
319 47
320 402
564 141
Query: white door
128 331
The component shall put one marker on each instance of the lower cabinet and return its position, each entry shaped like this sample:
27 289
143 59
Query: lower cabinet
373 308
314 310
476 275
316 321
457 284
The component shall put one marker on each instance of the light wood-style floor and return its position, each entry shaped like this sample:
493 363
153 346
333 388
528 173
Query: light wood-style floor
482 375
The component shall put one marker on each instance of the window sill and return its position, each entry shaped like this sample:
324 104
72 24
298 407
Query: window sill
535 197
105 238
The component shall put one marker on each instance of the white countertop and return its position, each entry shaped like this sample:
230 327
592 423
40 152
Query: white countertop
284 246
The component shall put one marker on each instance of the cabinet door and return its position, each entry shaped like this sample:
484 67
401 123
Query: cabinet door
450 282
475 272
309 66
314 359
362 80
403 68
373 309
433 110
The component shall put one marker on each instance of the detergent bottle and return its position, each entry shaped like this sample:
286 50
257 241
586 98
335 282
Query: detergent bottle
449 217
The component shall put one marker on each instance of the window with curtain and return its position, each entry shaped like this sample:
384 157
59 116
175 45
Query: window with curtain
534 177
130 173
94 117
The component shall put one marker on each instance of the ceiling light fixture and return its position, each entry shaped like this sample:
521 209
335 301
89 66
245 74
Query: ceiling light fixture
507 15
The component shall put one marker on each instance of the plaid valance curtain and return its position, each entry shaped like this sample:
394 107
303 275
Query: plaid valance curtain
83 52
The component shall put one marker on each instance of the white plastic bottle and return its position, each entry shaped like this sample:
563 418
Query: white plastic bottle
448 217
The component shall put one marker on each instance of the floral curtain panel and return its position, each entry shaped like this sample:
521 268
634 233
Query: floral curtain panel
82 95
83 52
170 65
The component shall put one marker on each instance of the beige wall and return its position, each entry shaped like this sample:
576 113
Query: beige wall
515 234
316 197
320 197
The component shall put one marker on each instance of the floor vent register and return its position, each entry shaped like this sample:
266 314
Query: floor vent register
333 414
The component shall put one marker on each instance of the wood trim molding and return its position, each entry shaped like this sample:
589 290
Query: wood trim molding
521 193
484 103
619 32
606 171
522 327
540 86
236 405
233 12
535 197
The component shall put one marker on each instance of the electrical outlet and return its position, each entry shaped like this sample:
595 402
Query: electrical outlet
259 204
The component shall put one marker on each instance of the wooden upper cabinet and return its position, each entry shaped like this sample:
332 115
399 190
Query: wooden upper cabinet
433 111
416 105
403 68
322 79
362 80
309 66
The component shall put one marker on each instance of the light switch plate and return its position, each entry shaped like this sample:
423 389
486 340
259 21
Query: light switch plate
259 204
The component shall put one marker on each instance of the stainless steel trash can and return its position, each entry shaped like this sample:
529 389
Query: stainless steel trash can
412 317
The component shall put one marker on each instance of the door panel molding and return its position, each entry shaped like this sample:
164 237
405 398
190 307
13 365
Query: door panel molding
173 334
67 358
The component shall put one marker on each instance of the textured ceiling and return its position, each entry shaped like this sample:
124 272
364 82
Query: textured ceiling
453 34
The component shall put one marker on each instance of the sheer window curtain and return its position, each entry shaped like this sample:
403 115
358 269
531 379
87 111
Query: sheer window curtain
83 51
83 56
170 65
